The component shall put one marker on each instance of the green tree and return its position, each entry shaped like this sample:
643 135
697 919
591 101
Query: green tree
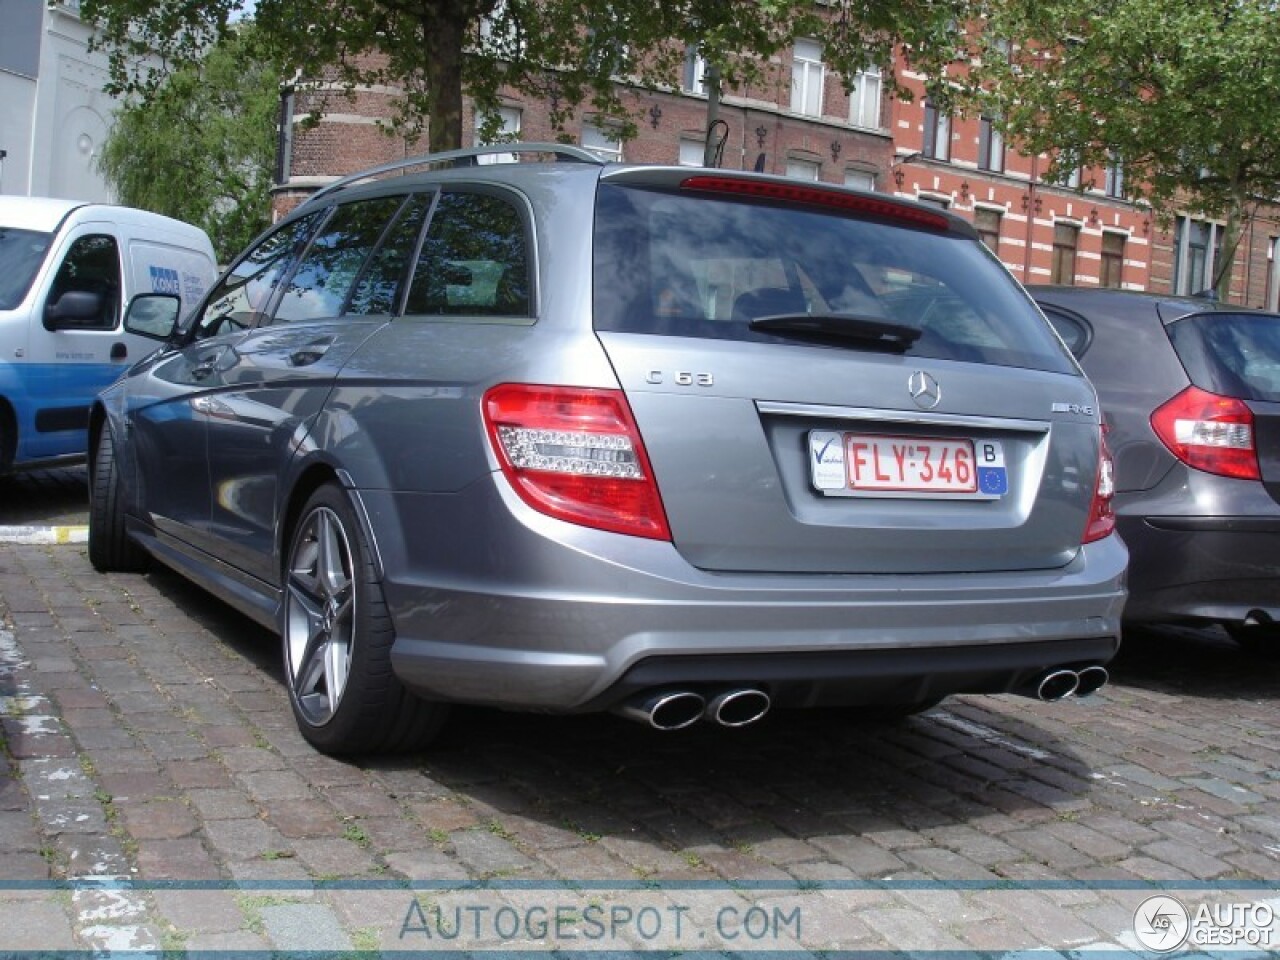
1182 93
563 52
201 148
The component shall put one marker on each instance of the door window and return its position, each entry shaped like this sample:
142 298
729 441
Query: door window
242 296
92 265
378 289
474 260
327 272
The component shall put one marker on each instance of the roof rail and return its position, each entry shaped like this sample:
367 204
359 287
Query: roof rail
460 158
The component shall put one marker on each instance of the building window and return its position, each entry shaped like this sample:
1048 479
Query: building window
1197 248
803 169
861 179
864 98
508 132
602 141
807 78
987 223
1066 237
990 146
1112 259
942 203
692 152
937 133
1114 183
695 71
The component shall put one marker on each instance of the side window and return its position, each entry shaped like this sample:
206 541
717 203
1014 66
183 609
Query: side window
474 261
378 287
1073 332
92 265
327 271
239 299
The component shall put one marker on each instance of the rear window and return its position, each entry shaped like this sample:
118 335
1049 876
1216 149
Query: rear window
21 253
1234 354
690 265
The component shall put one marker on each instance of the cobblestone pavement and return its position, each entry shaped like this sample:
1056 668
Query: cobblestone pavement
151 768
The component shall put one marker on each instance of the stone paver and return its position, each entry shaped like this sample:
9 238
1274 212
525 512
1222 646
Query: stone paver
150 762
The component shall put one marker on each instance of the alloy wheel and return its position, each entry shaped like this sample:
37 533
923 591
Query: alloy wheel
320 616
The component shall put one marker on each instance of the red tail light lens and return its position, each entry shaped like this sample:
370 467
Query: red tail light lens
1102 519
575 454
1209 432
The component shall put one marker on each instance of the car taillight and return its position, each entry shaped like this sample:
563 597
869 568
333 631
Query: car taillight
576 454
1210 432
1102 519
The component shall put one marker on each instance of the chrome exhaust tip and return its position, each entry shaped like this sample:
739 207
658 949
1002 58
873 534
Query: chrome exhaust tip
738 708
1057 685
1091 680
667 710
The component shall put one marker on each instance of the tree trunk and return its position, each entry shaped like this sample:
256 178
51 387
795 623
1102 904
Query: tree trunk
711 81
444 34
1231 234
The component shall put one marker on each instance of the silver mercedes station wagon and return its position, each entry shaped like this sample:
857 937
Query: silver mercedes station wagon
572 436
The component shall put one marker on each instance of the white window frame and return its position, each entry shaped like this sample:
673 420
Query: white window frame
808 78
1181 281
860 179
940 132
692 152
603 141
510 132
865 98
695 73
801 169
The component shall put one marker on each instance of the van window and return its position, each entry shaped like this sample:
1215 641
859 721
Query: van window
328 270
92 265
474 260
241 297
21 253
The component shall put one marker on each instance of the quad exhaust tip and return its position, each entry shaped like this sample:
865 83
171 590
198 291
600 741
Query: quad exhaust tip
677 709
1060 684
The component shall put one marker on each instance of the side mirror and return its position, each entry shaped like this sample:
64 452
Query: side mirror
153 315
75 308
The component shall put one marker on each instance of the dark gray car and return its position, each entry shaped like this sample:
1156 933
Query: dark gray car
568 436
1191 393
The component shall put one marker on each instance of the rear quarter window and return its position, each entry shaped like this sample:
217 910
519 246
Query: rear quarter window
1234 354
689 264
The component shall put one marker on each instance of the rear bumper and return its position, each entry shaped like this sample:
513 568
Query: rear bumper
1202 567
497 605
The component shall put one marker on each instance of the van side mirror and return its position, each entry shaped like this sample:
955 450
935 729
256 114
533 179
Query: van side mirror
74 309
153 315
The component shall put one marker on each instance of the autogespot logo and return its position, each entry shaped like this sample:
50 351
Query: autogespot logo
1161 923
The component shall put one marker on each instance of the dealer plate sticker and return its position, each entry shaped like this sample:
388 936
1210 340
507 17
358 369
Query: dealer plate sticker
885 465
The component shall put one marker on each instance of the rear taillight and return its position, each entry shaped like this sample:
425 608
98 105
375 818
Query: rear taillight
575 454
1102 519
1209 432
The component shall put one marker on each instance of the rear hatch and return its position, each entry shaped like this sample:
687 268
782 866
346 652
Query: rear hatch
1237 355
829 382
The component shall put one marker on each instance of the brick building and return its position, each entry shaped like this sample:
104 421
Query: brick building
799 121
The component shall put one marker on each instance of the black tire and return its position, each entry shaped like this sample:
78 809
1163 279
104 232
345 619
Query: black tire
336 636
109 546
1258 640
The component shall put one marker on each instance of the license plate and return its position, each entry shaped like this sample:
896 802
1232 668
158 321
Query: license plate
884 465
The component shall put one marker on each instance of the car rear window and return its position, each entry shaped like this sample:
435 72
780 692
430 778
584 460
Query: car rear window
1233 354
691 265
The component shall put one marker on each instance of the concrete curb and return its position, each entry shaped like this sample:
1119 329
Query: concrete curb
75 533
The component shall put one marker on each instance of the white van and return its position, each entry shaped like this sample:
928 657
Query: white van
67 271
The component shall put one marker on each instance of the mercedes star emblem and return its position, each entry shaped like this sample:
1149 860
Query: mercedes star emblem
924 390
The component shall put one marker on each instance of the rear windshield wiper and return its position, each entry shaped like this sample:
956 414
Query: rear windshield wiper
869 331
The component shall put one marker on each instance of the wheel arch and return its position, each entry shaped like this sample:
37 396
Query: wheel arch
313 477
8 434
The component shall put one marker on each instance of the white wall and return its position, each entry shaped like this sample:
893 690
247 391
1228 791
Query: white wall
53 127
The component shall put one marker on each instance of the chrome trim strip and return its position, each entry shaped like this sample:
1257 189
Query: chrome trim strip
817 411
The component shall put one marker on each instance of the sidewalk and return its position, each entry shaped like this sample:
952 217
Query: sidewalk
152 769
